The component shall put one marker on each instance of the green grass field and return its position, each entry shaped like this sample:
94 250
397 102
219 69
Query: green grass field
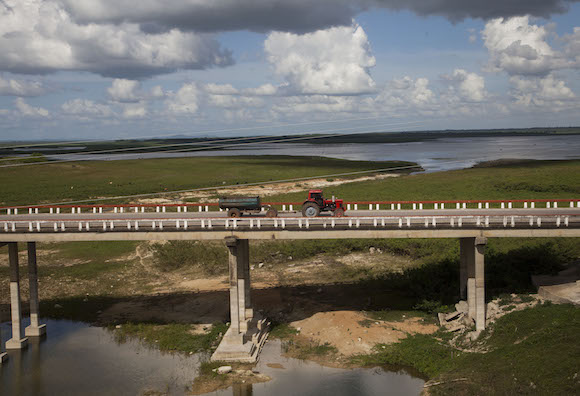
87 180
521 180
97 179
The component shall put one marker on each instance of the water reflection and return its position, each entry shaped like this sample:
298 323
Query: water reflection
75 358
305 378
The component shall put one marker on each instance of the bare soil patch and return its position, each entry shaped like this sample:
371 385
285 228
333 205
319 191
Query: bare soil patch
353 333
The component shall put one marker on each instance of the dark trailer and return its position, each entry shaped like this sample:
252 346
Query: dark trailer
236 206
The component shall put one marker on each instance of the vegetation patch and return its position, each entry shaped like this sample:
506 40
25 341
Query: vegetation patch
209 258
534 351
240 377
282 331
174 337
300 347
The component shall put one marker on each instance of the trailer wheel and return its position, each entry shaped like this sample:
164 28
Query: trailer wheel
272 212
234 212
310 209
339 212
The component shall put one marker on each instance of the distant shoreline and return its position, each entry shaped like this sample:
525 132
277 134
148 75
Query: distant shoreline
212 143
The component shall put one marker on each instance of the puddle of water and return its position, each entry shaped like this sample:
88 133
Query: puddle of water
76 359
304 378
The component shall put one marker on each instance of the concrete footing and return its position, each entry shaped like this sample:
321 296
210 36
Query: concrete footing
472 278
248 332
35 331
246 347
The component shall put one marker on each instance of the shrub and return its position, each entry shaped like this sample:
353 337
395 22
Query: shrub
209 258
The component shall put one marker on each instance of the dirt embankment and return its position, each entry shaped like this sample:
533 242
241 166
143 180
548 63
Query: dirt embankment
267 189
353 333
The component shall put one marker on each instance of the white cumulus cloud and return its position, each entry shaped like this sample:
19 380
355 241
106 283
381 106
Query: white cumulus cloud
519 48
468 86
30 111
12 87
123 90
334 61
40 36
406 91
185 100
86 108
548 92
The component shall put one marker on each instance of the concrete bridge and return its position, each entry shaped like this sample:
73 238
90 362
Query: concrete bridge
473 222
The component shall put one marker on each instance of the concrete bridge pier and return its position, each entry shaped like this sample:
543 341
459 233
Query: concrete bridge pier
17 341
247 333
35 329
472 278
3 354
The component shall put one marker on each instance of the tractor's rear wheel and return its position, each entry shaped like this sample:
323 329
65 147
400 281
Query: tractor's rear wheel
339 212
310 209
272 212
234 212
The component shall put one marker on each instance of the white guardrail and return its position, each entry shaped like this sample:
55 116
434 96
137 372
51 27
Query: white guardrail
289 223
284 207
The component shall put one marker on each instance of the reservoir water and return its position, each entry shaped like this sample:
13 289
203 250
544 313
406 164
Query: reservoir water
77 359
433 155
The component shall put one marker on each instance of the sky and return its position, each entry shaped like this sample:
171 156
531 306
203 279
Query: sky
111 69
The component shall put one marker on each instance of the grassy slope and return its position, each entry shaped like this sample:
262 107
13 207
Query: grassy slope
73 181
532 352
524 180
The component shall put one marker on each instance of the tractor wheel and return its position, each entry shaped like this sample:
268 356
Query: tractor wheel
234 212
339 212
272 212
310 209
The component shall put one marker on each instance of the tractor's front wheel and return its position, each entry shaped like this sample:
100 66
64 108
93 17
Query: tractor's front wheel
271 212
310 209
234 212
339 212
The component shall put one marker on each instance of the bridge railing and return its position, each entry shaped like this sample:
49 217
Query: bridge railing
296 206
290 223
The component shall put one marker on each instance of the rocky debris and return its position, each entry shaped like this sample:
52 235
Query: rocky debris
223 369
473 335
462 306
457 320
460 323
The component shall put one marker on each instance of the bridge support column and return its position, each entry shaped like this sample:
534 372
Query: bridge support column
480 283
35 329
247 333
463 259
17 341
472 270
3 354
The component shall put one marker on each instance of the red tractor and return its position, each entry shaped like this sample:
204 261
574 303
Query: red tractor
316 204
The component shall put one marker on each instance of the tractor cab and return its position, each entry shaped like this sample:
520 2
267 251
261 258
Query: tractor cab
316 196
